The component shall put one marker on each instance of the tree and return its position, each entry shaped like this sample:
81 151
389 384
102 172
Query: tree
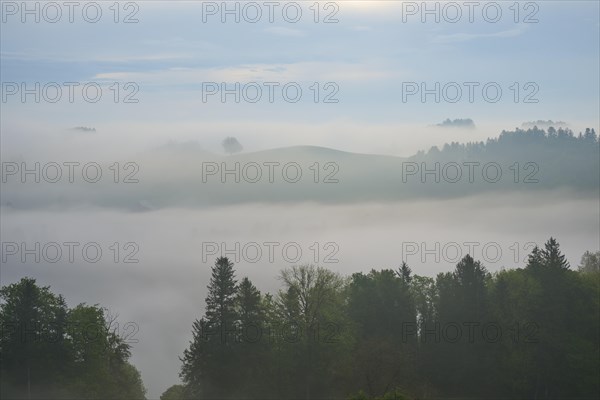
404 273
231 145
220 302
461 301
50 351
309 305
590 262
175 392
253 346
470 276
33 352
552 257
100 357
590 135
211 354
382 308
535 260
523 333
551 309
248 304
195 361
130 384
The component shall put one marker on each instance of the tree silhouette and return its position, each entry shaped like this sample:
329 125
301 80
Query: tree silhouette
525 333
231 145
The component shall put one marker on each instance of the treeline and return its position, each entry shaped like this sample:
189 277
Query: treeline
530 161
50 351
545 158
525 333
541 140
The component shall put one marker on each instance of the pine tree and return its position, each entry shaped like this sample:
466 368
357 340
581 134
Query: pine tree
248 304
404 273
552 257
535 260
220 302
211 354
253 346
195 361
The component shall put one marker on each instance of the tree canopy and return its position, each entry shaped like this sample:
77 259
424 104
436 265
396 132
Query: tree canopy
530 332
52 351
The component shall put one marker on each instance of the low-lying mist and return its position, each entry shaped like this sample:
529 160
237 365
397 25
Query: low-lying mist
164 291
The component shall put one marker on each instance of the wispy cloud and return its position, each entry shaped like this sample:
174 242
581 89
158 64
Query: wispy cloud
465 37
41 56
302 71
280 31
361 28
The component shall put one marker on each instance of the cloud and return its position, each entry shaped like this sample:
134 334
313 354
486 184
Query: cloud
457 123
84 129
290 72
124 58
277 30
464 37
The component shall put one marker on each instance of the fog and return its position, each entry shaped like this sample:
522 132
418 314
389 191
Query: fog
164 292
142 239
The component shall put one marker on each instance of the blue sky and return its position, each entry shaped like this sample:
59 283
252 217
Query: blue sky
369 53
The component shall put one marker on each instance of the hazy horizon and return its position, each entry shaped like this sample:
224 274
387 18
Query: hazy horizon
373 86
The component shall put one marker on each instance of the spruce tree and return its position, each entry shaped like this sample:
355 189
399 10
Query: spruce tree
211 354
552 256
220 302
248 304
404 273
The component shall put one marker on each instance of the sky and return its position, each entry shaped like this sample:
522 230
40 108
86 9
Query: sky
373 58
161 77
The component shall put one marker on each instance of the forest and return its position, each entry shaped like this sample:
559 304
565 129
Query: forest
530 332
556 157
51 351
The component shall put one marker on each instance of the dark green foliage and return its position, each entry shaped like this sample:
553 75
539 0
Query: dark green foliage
50 351
386 335
381 306
175 392
208 361
404 273
395 334
552 257
391 395
221 293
